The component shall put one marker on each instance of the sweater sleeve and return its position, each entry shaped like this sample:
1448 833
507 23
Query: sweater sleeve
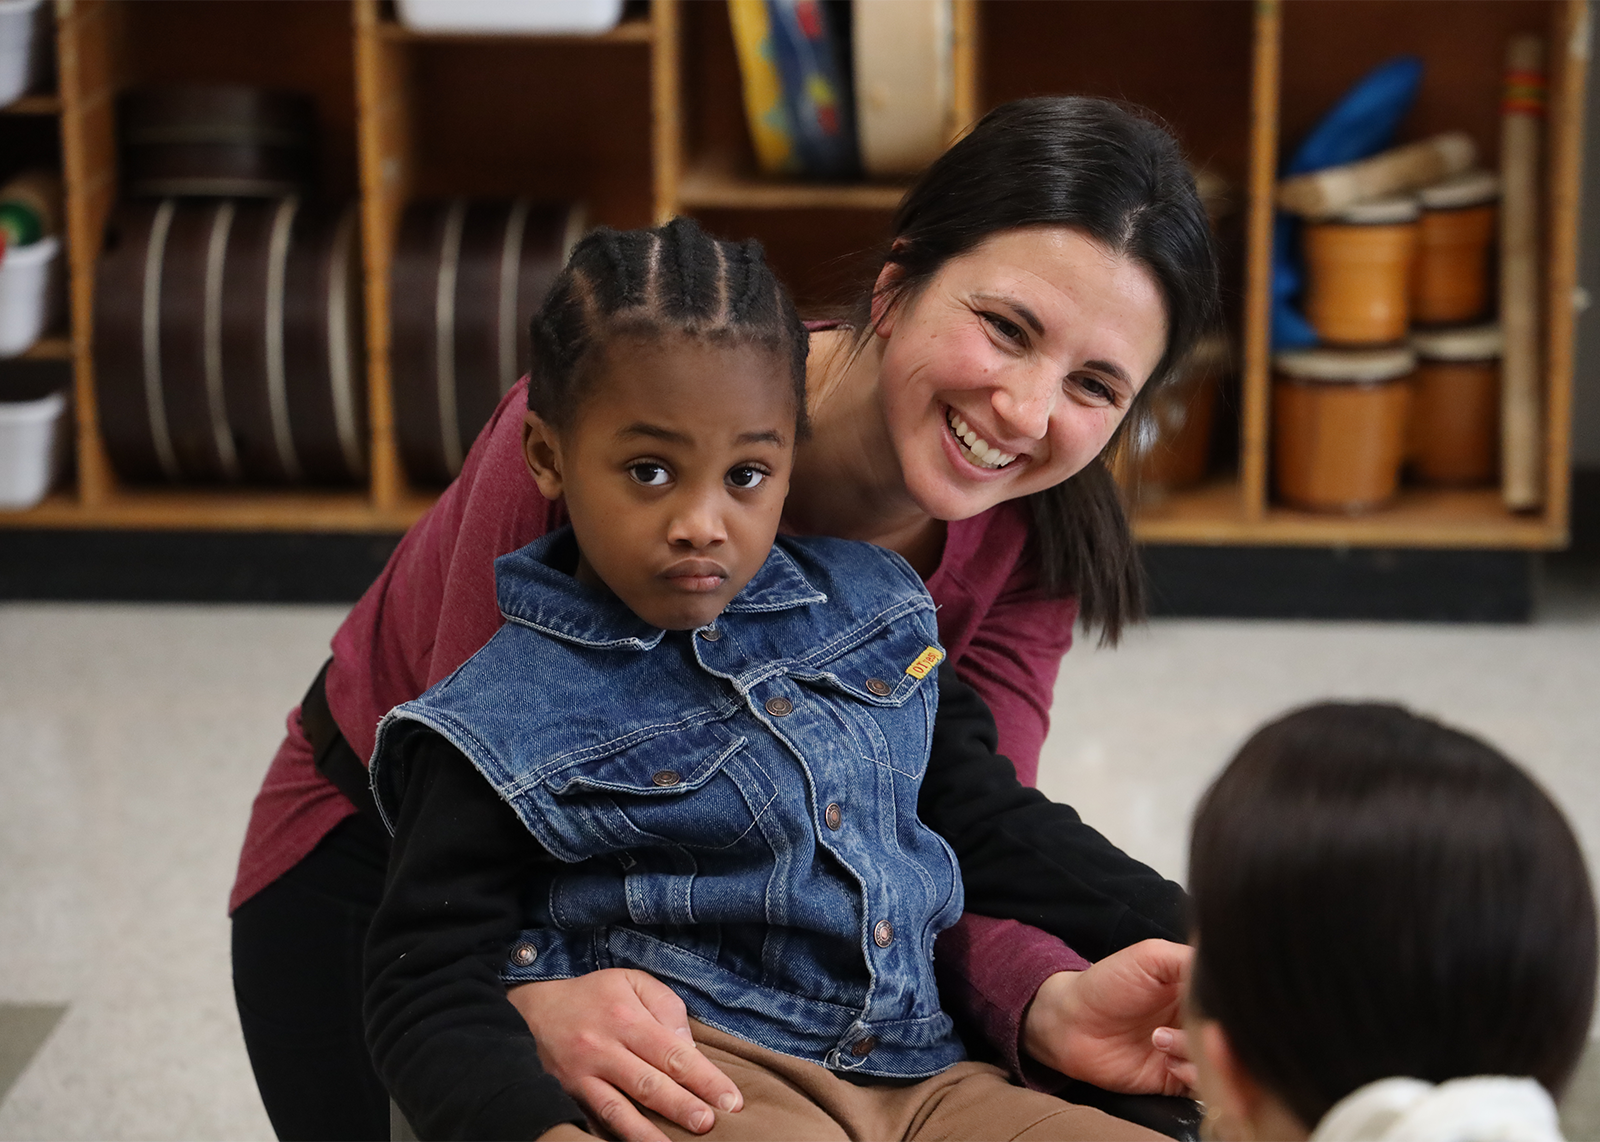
1025 857
455 1055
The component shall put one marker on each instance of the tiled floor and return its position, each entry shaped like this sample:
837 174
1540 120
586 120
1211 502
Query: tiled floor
132 739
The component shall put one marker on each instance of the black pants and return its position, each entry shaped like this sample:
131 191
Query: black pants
297 952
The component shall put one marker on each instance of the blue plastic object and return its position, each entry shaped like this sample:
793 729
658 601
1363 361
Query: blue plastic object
1361 124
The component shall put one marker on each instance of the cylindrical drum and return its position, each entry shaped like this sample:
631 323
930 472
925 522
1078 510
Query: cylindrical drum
1175 453
466 280
228 342
1358 273
1454 432
1339 426
1450 284
217 140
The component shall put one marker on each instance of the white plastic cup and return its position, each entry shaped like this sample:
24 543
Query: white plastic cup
551 17
22 47
27 293
30 449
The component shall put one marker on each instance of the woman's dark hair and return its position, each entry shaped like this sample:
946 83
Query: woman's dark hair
1376 894
675 279
1107 170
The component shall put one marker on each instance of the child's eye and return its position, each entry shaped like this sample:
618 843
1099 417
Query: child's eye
649 474
745 476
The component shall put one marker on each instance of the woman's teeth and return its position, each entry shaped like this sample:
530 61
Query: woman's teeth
981 452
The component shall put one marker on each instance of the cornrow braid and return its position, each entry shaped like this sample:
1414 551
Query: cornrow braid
675 279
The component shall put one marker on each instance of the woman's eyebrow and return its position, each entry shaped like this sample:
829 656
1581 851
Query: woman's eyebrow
1029 318
1116 371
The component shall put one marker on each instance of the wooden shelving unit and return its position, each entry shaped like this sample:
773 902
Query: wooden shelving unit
645 121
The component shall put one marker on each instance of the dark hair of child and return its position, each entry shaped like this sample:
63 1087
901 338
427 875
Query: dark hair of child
675 279
1379 895
1113 172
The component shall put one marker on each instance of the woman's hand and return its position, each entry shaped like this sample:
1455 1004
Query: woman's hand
621 1034
1116 1024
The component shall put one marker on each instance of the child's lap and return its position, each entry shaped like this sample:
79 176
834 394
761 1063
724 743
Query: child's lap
787 1098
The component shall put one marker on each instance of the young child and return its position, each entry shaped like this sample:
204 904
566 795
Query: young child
1395 936
691 749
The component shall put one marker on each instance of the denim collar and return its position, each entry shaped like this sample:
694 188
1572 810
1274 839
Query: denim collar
536 588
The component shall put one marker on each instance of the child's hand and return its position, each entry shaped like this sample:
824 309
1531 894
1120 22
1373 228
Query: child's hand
1105 1025
618 1034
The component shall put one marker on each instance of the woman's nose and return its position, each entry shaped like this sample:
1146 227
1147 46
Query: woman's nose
1024 402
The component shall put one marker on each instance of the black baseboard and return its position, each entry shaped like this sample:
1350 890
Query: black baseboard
1415 585
189 566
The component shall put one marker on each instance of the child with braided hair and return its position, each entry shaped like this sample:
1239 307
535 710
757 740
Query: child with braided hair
694 748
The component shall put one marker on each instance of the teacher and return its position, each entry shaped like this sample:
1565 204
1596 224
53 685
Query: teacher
1046 274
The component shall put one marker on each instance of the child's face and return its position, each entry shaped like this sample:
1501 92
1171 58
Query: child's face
674 470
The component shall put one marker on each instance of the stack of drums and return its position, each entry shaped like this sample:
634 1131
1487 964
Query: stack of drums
228 342
468 277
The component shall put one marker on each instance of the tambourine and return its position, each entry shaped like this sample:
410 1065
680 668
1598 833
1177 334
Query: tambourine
466 281
228 342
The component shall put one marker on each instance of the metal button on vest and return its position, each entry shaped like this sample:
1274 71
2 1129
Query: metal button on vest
779 707
879 687
863 1047
883 933
834 816
711 634
523 954
667 778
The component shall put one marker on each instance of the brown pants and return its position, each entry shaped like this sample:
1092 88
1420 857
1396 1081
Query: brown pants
793 1100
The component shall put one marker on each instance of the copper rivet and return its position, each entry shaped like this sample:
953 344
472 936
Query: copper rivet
883 933
779 707
667 777
524 954
864 1047
711 634
833 816
879 687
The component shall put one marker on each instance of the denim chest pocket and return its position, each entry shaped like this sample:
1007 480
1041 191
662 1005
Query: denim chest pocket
888 669
698 788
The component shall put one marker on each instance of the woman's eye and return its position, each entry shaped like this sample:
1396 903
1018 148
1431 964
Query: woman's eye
745 477
1007 329
1096 389
650 475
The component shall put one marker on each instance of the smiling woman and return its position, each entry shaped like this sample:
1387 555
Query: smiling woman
1044 277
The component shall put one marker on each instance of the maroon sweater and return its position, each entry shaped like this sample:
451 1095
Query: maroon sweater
434 606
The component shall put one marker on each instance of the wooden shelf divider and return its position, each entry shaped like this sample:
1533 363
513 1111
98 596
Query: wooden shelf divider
43 104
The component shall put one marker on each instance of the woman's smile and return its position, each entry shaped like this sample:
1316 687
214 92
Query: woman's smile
974 447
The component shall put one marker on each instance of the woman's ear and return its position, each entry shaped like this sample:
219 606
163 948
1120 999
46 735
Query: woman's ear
541 451
1237 1106
885 303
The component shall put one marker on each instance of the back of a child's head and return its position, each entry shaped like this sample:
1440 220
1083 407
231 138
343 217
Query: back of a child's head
673 280
1377 895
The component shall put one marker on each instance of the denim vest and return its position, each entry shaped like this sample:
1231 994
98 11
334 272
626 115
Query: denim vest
733 809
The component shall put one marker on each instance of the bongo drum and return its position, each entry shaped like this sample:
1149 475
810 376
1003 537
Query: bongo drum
1451 282
1339 426
1358 272
1454 432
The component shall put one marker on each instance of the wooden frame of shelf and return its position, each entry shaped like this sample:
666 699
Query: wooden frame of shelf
690 141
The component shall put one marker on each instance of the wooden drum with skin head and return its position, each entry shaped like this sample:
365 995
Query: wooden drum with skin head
1339 426
467 278
1358 273
1454 432
228 342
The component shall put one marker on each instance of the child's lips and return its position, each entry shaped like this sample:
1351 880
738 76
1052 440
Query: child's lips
697 576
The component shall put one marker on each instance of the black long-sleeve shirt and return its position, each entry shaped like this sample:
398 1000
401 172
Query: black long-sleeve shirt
458 1058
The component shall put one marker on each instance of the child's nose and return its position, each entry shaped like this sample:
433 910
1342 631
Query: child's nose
698 523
